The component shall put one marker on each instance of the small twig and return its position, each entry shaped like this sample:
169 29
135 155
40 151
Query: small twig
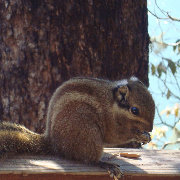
172 18
166 13
177 97
162 119
157 16
167 44
177 82
175 123
170 91
170 143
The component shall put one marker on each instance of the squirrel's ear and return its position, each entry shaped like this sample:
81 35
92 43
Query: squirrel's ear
122 92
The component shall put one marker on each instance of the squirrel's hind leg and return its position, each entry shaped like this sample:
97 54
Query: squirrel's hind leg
76 134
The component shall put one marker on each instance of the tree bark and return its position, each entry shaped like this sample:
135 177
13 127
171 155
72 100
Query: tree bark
44 43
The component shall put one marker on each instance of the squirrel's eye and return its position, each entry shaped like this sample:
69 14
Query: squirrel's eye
135 110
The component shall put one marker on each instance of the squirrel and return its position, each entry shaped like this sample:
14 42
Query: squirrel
84 115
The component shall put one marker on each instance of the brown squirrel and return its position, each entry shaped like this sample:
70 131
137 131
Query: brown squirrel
85 115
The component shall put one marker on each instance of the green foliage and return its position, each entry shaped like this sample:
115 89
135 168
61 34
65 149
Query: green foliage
168 94
166 74
178 63
162 67
177 47
163 70
172 66
153 69
167 71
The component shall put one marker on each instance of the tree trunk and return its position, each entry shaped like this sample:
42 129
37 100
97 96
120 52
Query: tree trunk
44 43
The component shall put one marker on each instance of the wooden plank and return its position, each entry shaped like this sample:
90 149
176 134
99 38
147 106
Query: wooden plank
52 177
79 177
151 163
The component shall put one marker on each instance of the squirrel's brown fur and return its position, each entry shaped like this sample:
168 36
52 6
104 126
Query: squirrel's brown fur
84 115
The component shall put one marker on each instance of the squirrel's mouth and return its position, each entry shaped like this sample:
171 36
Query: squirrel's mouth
142 137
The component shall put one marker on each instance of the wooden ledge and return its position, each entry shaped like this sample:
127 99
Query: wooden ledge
152 164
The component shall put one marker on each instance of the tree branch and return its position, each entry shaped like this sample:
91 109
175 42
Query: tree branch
157 16
166 13
167 44
172 18
168 125
171 143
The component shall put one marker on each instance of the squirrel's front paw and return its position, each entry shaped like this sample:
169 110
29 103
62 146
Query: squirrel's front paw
113 170
143 137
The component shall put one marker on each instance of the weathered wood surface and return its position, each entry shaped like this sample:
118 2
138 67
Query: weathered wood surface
151 163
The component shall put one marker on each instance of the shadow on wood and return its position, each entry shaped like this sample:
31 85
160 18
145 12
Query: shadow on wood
160 164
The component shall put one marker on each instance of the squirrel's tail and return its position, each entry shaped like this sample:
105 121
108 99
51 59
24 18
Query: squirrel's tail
17 139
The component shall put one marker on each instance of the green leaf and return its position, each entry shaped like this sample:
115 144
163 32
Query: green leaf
168 94
174 48
178 41
178 63
153 69
176 134
161 69
172 66
178 48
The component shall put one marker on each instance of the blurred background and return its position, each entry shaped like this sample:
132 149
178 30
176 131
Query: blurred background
164 73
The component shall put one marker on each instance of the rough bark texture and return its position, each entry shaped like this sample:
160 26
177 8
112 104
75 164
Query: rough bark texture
44 42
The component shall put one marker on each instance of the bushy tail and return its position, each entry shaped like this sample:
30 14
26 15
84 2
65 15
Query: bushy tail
17 139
